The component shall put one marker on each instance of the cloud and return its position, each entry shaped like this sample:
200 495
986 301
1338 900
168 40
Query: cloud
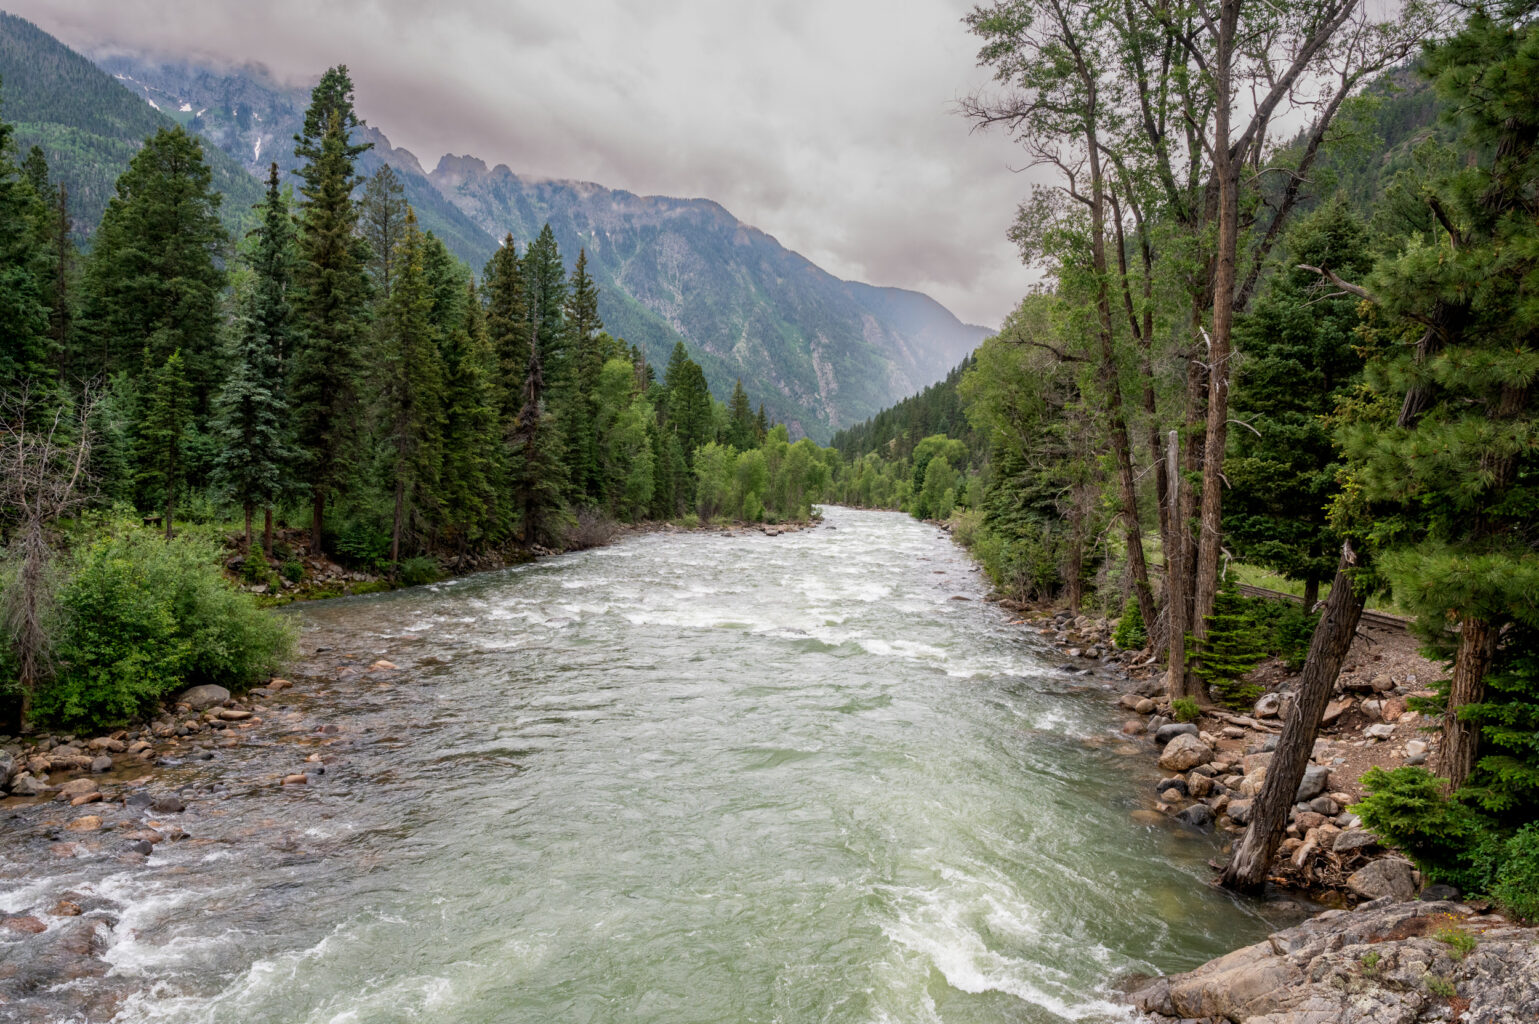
831 125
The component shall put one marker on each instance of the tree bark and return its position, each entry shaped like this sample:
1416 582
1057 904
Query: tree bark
1177 682
267 532
317 514
247 510
1246 870
1311 593
1467 685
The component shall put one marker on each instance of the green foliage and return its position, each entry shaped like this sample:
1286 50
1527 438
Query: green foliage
292 570
143 618
1283 629
1185 709
1231 649
1460 943
418 570
1131 633
1440 986
255 568
1408 808
1516 884
1370 961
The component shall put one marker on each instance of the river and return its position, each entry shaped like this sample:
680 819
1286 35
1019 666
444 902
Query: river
685 778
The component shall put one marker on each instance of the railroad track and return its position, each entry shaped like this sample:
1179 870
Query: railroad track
1376 620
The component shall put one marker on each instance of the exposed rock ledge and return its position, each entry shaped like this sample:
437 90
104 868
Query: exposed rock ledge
1385 962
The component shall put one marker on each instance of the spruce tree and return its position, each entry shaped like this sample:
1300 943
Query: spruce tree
508 329
741 432
331 97
330 296
473 468
537 475
581 319
689 403
164 416
252 422
24 350
153 280
1230 649
382 223
413 390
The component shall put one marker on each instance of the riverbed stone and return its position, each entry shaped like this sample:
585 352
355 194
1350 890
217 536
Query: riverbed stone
1165 733
1387 876
27 785
1185 752
102 764
168 803
1316 780
1354 840
1380 731
88 823
206 696
1197 815
1240 811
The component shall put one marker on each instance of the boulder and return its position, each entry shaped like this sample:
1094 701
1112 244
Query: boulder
1184 753
1387 876
7 765
1354 840
78 787
26 785
1197 815
1416 752
1198 786
1316 780
1380 731
1165 733
1175 782
206 696
1334 710
1269 706
1239 811
102 764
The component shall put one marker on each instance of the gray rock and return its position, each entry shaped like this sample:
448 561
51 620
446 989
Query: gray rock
1388 876
1439 891
1353 840
26 785
1184 753
102 764
208 695
1316 780
1175 782
1239 810
168 803
1165 733
1380 731
1197 815
1269 706
1416 752
1323 804
7 765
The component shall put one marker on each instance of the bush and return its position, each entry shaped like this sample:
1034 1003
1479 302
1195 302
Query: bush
1517 876
1282 628
292 570
417 571
1408 809
358 544
254 568
1185 709
1131 633
142 618
591 529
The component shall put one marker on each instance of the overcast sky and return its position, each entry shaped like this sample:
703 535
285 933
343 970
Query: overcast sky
828 123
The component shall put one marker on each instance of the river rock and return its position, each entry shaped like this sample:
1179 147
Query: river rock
1185 752
1133 727
296 780
1165 733
1316 780
102 764
1354 840
1240 811
1315 973
7 765
1269 705
24 925
27 785
168 803
88 823
1199 785
233 714
206 696
1380 731
1197 815
1387 876
1175 782
78 787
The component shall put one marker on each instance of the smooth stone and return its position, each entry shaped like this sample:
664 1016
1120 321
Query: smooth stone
1354 839
89 823
1380 731
1175 782
1316 780
1197 815
168 803
1165 733
296 780
1388 876
201 697
1269 705
1184 753
102 764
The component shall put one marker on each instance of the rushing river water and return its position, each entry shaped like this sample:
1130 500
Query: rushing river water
686 778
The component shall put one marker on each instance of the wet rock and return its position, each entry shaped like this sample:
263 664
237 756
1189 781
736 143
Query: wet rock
8 766
168 803
139 799
1387 876
89 798
23 925
77 787
1171 796
1175 782
26 785
279 684
386 666
88 823
1132 727
1197 815
296 780
1165 733
206 696
1316 780
101 764
106 745
141 846
66 908
233 714
1146 817
1184 753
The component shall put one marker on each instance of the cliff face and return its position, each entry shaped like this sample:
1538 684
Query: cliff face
1386 962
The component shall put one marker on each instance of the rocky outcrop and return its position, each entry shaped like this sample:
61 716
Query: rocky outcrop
1386 962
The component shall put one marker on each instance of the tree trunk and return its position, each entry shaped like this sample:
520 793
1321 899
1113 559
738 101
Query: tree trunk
1467 685
248 528
317 514
1246 870
395 528
170 507
1177 682
267 532
1311 593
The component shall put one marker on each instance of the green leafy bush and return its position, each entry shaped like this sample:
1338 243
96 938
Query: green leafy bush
1185 709
359 544
141 618
292 570
414 572
1517 874
1408 809
255 568
1131 632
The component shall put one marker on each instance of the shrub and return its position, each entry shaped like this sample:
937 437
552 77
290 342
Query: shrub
417 571
1282 628
1185 709
1408 809
254 567
1230 650
359 544
292 570
1131 633
591 529
1441 986
1517 877
1460 943
142 618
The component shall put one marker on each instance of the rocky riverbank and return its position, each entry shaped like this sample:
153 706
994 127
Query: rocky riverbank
1214 767
1386 962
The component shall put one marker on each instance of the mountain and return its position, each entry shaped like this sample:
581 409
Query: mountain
819 352
88 125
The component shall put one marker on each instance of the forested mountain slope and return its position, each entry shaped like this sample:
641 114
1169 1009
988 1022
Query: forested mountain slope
821 352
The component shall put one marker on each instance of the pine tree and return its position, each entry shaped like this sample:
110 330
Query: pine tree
507 324
546 291
330 302
331 97
24 348
413 390
537 475
252 422
153 279
382 223
165 414
741 432
689 403
1230 649
473 471
584 326
761 425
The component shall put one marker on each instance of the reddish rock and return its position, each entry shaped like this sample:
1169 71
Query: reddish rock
24 925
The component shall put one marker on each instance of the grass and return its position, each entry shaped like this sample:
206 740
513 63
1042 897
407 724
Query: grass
1440 986
1460 943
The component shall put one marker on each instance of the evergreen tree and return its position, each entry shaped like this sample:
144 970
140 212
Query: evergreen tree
546 291
24 348
741 432
761 425
507 324
1230 649
413 390
331 292
689 403
165 414
583 327
473 471
252 421
153 279
1298 363
382 222
331 97
537 476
